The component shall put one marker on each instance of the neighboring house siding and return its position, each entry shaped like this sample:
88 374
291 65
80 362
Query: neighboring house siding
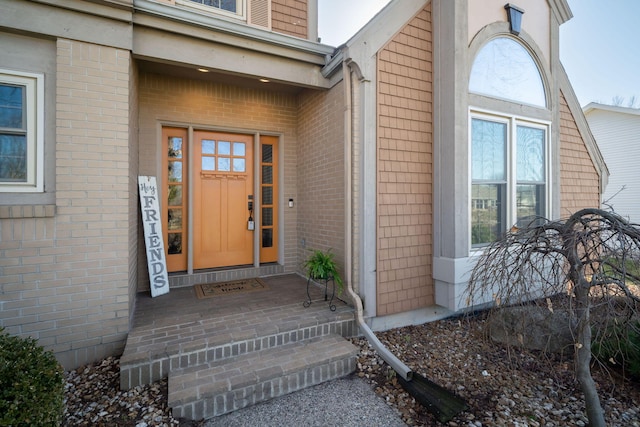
579 179
405 169
290 17
65 278
167 99
618 136
321 171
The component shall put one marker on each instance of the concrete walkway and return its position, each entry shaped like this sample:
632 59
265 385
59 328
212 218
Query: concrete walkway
346 402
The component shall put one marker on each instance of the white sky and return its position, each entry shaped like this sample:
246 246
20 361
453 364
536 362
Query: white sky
599 46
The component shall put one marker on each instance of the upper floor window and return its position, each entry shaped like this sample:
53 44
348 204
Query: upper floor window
21 128
503 68
233 7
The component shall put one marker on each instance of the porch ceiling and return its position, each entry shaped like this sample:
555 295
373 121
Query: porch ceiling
191 72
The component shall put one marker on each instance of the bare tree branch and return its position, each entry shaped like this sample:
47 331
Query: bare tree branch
589 264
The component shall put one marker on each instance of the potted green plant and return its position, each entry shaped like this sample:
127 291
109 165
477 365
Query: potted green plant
321 266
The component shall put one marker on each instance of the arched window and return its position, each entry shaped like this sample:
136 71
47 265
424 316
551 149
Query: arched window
509 152
503 68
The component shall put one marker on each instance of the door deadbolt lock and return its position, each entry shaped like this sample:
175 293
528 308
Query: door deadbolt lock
250 224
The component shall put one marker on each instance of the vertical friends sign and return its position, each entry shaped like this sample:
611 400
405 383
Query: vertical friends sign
154 242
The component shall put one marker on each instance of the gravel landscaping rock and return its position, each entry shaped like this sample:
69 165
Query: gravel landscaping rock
503 387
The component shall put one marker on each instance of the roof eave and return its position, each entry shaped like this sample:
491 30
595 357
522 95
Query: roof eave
238 29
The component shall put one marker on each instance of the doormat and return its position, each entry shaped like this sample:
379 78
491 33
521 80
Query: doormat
210 290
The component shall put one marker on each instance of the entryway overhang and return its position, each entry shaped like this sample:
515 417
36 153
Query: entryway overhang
172 36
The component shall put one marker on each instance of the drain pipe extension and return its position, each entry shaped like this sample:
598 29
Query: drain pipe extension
442 403
397 365
403 370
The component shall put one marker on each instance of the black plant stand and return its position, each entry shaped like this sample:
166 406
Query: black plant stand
332 306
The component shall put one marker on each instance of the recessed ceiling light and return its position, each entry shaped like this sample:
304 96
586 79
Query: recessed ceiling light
203 70
263 80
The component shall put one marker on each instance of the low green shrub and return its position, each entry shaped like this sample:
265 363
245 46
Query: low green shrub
31 383
620 346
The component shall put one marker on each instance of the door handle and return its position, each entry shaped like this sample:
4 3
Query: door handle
250 224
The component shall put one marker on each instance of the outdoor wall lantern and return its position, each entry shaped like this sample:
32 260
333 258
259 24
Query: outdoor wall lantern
514 13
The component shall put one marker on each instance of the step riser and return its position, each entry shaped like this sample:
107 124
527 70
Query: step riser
212 406
192 353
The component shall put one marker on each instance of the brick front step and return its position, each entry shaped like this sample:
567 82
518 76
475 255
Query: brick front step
214 388
146 361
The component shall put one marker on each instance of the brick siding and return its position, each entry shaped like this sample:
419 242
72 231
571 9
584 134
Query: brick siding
321 185
579 180
405 169
65 278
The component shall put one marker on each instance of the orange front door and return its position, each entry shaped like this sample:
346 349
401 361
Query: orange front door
222 192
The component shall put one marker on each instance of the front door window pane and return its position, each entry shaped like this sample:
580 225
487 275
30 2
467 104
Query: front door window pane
224 164
175 171
238 149
175 219
267 174
224 148
267 195
175 195
175 148
267 237
267 153
174 244
267 216
208 164
208 147
238 165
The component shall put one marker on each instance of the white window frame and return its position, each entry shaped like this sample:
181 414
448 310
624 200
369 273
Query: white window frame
241 7
512 121
34 99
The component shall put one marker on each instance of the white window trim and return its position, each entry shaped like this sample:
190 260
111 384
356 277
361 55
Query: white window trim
241 7
34 85
512 121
